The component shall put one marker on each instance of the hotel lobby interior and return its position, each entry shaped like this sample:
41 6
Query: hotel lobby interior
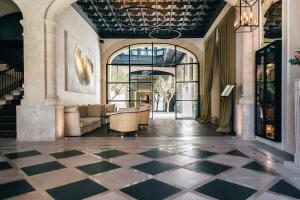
150 99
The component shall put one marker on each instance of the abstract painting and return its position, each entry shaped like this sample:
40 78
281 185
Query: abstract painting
80 66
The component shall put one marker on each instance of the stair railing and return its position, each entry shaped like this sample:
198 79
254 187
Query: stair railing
10 79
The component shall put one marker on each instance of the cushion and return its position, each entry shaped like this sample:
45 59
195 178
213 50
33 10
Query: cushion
94 111
88 121
83 112
102 109
110 108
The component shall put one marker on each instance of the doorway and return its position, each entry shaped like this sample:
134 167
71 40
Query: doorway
165 76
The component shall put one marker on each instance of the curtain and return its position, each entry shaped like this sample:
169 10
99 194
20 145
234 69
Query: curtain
208 71
227 68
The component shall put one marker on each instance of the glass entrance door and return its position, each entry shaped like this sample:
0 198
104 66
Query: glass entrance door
187 91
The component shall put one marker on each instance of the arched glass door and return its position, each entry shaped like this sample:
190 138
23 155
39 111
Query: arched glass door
162 75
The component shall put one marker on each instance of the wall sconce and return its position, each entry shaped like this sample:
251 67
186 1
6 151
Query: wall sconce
247 16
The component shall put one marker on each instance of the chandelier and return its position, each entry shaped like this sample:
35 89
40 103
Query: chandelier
133 16
247 16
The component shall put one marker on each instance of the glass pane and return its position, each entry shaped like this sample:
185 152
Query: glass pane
270 91
163 55
270 72
270 130
120 57
184 56
187 72
117 73
187 109
270 112
260 92
117 91
141 54
187 91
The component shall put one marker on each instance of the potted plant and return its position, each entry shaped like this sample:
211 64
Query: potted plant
296 59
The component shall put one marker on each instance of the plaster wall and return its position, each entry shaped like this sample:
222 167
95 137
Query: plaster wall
291 43
87 36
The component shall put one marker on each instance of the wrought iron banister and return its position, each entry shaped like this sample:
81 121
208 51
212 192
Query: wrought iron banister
10 79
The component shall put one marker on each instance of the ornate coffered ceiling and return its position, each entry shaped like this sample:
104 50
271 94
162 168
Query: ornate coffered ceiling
110 19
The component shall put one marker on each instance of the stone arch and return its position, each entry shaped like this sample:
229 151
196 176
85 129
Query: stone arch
118 44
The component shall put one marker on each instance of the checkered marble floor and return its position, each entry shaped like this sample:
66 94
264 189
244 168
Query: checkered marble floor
141 168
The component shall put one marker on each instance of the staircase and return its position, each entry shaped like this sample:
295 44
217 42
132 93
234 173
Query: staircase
11 94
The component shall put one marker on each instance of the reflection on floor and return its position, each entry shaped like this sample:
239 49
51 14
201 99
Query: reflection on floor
164 115
154 168
165 128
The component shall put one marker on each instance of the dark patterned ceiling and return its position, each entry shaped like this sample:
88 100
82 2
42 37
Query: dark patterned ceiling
192 18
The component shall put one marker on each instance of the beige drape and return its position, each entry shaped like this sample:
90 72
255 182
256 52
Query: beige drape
227 68
208 71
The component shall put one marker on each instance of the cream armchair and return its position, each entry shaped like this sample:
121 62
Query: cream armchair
124 121
144 118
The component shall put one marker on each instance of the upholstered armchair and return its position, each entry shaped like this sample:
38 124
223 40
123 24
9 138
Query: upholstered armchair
124 121
144 118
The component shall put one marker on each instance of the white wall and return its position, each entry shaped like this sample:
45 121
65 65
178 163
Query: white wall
72 22
291 43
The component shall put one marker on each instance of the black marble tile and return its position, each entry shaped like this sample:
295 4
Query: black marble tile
198 153
23 154
15 188
42 168
76 190
208 167
258 167
66 154
98 167
111 154
154 167
150 190
283 187
224 190
5 165
236 153
155 153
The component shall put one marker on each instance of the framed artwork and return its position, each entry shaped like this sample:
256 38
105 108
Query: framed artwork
80 66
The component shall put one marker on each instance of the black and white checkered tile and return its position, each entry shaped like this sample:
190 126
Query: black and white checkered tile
146 174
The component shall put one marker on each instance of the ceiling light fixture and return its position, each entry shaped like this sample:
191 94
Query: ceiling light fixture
129 16
247 16
164 34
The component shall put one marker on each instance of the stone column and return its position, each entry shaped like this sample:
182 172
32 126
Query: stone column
51 84
248 85
297 122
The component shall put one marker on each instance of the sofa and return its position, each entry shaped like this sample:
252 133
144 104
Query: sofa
82 119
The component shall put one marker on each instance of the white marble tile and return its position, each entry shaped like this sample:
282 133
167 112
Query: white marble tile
235 161
130 160
183 178
179 160
190 196
272 196
57 178
120 178
10 175
249 178
108 196
32 160
79 160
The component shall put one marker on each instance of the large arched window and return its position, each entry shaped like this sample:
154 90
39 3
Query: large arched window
163 75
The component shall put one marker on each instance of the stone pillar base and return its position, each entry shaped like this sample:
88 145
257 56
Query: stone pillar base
40 122
248 132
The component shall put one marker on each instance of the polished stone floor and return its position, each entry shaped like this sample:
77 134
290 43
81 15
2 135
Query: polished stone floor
164 127
146 168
